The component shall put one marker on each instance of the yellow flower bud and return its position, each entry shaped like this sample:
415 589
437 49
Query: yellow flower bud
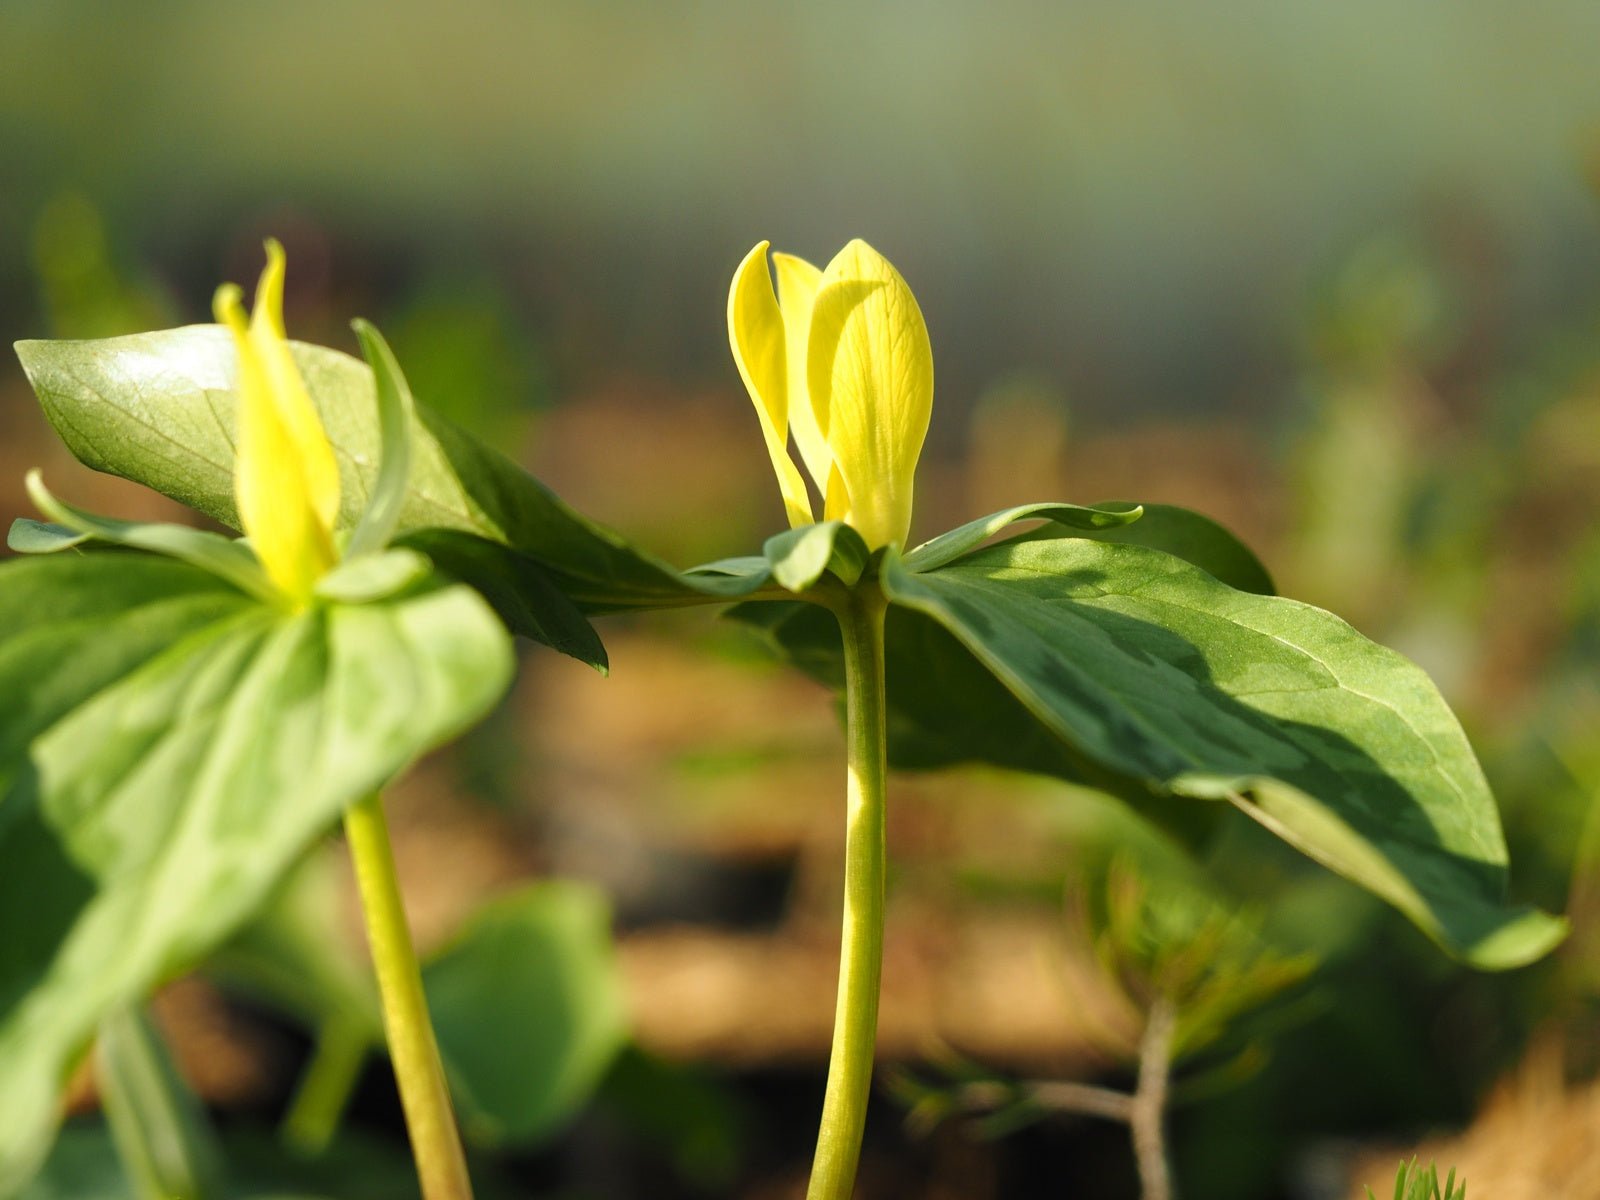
286 481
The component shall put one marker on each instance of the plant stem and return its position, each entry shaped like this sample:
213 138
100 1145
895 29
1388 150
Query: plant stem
1147 1115
855 1024
435 1142
161 1132
325 1087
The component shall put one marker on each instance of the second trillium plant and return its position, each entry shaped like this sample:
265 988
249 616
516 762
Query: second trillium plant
1135 648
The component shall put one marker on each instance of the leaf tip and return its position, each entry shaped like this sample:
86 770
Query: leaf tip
1525 938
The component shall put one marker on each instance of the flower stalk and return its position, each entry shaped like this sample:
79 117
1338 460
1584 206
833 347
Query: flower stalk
424 1094
860 613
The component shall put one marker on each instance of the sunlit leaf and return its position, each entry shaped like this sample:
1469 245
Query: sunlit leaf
948 547
1154 671
1188 535
798 557
176 747
159 408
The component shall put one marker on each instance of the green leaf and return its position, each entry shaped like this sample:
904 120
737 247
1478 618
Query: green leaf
517 587
39 537
944 708
84 1166
396 413
948 547
158 408
1186 534
178 746
212 552
1155 672
285 957
526 1000
799 556
529 1010
161 1131
373 576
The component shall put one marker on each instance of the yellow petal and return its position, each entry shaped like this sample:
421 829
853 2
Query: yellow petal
288 392
756 336
797 292
870 370
282 463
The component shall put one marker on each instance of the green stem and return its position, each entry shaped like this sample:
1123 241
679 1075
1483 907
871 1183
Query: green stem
435 1142
855 1025
325 1088
161 1132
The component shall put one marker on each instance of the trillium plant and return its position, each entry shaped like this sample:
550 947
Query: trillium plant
196 711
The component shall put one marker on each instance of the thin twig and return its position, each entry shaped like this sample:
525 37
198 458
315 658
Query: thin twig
1079 1099
1147 1116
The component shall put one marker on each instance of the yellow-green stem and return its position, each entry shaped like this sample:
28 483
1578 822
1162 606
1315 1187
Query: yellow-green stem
325 1087
855 1023
435 1142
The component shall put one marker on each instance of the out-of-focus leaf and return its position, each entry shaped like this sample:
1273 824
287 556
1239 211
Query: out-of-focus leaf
84 1166
159 1126
529 1010
685 1116
526 1000
224 557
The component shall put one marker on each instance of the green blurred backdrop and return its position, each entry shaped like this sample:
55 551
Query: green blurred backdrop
1128 198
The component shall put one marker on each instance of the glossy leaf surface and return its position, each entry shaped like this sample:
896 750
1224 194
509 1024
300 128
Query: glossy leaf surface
159 408
1157 673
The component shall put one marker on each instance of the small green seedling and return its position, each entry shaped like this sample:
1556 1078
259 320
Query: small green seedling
1414 1182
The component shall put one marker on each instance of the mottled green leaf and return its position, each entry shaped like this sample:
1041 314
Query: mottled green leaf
174 748
1153 671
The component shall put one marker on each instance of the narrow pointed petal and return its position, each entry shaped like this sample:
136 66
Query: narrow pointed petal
756 336
288 392
870 370
797 292
293 545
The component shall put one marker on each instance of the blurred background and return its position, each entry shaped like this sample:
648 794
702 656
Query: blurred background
1328 273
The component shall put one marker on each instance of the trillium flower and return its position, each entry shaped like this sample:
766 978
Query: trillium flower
286 481
839 358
